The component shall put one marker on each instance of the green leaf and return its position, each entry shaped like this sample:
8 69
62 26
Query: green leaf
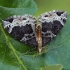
16 7
12 52
52 67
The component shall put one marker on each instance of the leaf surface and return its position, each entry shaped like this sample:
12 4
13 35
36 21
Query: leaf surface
16 7
52 67
12 55
12 52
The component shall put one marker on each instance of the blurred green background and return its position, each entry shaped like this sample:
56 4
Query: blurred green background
48 5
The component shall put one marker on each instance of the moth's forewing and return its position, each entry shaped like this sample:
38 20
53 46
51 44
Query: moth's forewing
25 29
22 28
52 22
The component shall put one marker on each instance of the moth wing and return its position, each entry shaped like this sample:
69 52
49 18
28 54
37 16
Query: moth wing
52 22
22 28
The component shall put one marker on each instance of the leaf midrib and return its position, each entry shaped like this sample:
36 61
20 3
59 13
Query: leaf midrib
12 48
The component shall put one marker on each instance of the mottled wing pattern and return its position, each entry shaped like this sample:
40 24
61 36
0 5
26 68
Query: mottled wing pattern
22 28
25 28
52 22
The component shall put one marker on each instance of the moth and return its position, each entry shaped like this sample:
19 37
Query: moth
37 33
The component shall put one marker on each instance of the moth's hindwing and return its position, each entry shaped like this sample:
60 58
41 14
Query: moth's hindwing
52 22
22 28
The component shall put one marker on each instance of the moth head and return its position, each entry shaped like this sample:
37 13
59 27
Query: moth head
38 27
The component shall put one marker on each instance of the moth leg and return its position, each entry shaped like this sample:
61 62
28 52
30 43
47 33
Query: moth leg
39 37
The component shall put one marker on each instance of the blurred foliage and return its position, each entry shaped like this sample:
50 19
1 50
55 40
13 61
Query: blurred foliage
48 5
53 67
